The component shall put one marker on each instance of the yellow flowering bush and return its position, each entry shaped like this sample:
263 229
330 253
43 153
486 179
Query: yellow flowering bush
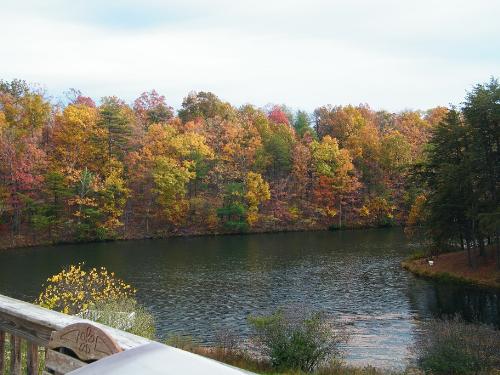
75 289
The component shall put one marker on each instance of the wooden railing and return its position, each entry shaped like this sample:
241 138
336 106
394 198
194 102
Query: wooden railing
25 331
32 337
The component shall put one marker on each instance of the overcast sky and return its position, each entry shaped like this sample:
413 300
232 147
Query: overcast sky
392 55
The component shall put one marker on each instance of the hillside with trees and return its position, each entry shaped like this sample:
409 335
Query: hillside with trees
84 171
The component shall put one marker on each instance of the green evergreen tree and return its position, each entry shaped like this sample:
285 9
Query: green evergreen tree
482 113
462 173
114 119
302 123
50 213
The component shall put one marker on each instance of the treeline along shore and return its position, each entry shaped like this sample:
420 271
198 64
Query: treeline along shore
459 209
85 171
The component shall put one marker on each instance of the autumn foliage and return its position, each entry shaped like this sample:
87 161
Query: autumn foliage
92 172
76 289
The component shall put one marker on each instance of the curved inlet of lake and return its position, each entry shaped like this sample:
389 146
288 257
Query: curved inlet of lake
201 285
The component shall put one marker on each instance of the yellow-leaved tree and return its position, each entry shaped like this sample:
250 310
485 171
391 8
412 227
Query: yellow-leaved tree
333 176
170 159
3 122
78 141
171 178
113 196
75 290
257 192
416 216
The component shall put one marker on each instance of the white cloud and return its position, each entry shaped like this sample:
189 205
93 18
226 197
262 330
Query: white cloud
390 54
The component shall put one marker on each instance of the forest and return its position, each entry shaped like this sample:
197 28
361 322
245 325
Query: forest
82 171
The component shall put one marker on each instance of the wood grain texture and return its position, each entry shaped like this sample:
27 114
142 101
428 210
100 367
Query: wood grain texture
15 355
61 363
32 361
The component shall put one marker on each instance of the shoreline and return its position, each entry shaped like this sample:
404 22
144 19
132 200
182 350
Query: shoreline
28 244
453 268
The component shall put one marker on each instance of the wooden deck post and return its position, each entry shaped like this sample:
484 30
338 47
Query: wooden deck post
15 355
32 360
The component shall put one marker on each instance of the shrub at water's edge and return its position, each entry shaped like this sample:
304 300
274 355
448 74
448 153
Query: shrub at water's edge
76 289
98 295
297 339
456 347
234 355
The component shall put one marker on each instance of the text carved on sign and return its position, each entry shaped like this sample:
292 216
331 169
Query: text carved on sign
88 342
87 339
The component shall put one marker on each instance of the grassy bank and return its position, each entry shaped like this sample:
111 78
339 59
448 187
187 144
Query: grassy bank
245 361
454 267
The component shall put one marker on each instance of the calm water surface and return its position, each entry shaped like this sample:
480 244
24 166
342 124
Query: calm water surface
200 285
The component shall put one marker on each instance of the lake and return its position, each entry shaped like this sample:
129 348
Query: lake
200 285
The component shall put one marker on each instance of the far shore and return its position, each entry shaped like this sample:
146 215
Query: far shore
454 267
30 241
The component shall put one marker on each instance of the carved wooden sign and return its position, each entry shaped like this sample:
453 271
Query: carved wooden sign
89 343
